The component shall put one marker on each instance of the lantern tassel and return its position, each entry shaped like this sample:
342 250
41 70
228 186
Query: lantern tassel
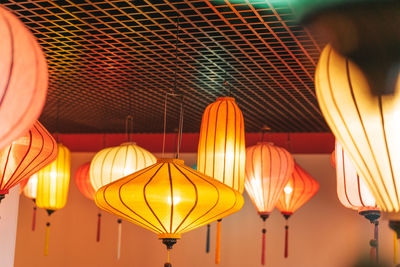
168 264
395 252
208 239
119 238
286 240
46 242
34 218
374 244
218 245
98 227
264 231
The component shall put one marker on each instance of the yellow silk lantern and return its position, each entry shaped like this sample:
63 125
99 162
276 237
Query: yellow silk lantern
367 126
169 199
53 182
112 163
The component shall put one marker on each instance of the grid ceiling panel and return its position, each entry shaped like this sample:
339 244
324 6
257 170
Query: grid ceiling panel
108 59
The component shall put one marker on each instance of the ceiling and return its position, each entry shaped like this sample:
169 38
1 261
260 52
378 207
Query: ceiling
108 59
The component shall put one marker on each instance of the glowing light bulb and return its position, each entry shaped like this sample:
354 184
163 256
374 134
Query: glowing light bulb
177 199
53 175
288 190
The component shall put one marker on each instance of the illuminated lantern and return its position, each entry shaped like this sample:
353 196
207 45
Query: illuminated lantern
169 199
354 194
112 163
53 185
82 181
268 169
221 152
25 156
29 188
300 189
23 80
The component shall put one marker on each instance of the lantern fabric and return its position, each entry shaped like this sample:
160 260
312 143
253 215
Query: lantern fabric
25 156
113 163
169 198
367 126
53 182
351 188
82 181
300 189
29 186
268 169
221 150
23 83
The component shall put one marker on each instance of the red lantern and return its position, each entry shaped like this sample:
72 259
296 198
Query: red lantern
300 189
82 181
26 156
23 80
268 169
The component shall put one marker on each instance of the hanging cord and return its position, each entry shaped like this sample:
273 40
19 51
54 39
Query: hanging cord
289 143
57 120
128 127
208 239
34 218
168 263
165 123
180 131
286 254
218 243
263 231
119 238
374 244
264 130
395 245
98 227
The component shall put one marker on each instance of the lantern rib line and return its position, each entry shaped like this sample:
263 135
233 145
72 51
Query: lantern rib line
196 201
265 205
276 192
125 161
172 197
387 150
6 164
365 133
199 161
225 141
241 148
108 151
345 180
359 191
215 139
147 202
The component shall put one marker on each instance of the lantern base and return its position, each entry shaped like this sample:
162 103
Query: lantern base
264 216
49 212
395 226
169 242
286 215
371 215
2 196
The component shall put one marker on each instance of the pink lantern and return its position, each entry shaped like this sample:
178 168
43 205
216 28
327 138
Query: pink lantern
23 79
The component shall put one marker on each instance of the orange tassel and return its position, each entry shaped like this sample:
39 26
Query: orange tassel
46 242
218 245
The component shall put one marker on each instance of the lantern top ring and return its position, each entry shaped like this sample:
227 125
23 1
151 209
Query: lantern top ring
169 236
170 160
225 98
128 143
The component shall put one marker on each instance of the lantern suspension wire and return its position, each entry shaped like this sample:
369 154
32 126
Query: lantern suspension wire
128 127
227 84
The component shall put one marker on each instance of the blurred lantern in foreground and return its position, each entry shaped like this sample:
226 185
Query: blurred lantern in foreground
300 189
354 194
29 188
113 163
221 151
25 156
23 80
53 185
268 169
82 181
169 199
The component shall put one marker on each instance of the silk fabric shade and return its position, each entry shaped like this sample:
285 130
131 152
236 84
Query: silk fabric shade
300 189
113 163
82 181
351 188
25 156
221 150
367 126
169 198
29 186
23 80
53 181
268 169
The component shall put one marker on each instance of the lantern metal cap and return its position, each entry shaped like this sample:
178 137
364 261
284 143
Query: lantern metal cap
372 215
128 143
170 160
169 236
226 98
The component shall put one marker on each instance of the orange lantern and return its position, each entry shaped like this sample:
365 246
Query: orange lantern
268 169
29 188
300 189
23 80
354 194
221 151
82 181
25 156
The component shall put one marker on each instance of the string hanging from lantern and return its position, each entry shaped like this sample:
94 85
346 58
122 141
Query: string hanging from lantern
29 188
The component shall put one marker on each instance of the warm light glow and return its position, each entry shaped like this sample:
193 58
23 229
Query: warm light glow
82 181
299 190
113 163
53 181
23 78
367 126
29 187
351 189
221 151
144 198
268 169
